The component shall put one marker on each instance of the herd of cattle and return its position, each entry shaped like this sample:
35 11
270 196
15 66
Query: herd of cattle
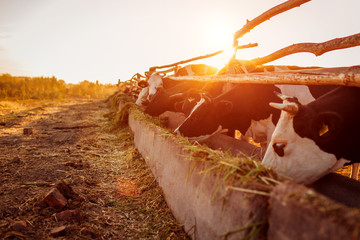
310 131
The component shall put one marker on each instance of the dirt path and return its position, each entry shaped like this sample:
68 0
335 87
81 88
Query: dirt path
102 175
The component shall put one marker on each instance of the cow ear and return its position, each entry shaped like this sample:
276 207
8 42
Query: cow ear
327 125
224 107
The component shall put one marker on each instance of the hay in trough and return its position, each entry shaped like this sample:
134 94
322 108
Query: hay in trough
237 173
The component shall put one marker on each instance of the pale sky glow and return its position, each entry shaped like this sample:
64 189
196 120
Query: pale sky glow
78 40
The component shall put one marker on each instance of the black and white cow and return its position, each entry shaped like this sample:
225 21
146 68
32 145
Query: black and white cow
312 140
182 97
246 108
156 82
149 89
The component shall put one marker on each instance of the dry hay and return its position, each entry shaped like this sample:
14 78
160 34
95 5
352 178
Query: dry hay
238 173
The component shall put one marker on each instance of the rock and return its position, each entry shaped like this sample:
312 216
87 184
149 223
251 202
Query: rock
68 215
58 231
41 204
55 199
28 131
19 226
66 190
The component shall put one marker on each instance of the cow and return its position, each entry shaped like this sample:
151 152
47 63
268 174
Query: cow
181 98
149 88
246 108
312 140
157 82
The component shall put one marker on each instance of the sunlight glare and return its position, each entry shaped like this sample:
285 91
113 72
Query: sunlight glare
219 36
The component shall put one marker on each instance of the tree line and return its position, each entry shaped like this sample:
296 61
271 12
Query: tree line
12 87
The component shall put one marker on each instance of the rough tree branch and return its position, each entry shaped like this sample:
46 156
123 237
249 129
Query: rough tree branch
315 48
266 16
185 61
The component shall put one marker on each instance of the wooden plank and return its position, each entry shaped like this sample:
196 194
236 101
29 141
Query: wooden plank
346 76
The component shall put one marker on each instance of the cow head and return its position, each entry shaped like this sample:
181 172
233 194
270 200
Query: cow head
298 145
186 101
155 83
149 89
167 100
204 117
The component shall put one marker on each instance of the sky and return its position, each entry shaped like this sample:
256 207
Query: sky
76 40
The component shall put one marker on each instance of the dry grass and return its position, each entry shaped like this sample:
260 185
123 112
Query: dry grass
237 173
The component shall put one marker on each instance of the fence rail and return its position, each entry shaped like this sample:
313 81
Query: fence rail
346 76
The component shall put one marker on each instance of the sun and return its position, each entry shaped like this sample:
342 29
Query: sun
219 36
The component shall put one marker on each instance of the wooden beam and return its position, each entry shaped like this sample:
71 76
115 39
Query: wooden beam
346 76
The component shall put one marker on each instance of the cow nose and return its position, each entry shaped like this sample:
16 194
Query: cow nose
279 148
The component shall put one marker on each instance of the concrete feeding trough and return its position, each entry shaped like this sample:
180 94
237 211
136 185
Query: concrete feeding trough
209 209
203 205
297 212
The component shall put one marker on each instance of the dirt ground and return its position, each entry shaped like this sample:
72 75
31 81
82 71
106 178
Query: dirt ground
96 168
